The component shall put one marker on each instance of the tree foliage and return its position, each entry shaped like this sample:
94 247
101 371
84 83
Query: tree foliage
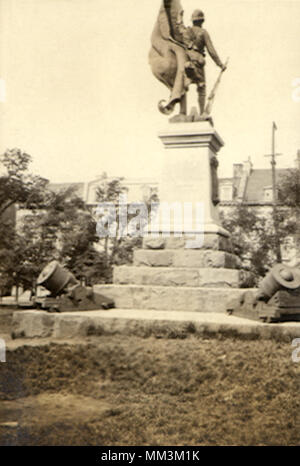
256 233
289 190
61 228
56 226
252 237
118 248
17 185
50 225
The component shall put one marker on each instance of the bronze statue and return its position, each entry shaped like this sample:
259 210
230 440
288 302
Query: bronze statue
177 57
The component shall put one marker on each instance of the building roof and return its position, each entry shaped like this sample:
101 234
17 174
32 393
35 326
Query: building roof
56 187
87 191
258 180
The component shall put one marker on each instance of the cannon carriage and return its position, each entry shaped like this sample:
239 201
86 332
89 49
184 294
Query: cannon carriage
66 294
276 300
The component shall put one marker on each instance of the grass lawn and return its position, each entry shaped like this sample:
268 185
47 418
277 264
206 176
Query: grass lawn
121 390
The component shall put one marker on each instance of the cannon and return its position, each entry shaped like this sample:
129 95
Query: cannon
276 300
66 294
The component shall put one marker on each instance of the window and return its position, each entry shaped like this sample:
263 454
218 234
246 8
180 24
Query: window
268 194
226 192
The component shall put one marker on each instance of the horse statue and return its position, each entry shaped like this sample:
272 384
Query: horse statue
168 56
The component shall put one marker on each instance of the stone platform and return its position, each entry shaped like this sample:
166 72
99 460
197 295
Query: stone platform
176 278
160 324
169 298
185 258
180 276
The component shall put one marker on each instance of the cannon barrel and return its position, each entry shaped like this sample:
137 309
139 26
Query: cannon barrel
55 278
280 277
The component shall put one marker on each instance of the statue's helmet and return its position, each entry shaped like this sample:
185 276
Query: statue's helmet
198 15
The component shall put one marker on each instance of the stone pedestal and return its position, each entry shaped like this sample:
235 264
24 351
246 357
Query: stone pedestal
170 272
189 181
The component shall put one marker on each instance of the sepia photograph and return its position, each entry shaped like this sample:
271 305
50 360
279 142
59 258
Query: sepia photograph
149 226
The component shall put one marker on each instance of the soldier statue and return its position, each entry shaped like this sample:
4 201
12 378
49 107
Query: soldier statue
196 39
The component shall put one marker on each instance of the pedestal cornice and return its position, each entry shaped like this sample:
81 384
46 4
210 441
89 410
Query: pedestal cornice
196 134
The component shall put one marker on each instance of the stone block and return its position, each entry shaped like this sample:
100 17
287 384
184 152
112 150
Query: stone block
170 298
175 242
145 323
32 324
153 243
68 326
185 258
171 276
219 278
161 276
212 241
121 298
217 242
205 258
153 258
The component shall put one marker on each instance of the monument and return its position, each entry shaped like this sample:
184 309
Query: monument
177 59
186 264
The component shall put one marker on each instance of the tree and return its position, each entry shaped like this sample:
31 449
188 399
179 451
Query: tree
117 247
108 193
289 197
251 236
57 226
52 226
64 230
17 185
289 190
78 239
253 233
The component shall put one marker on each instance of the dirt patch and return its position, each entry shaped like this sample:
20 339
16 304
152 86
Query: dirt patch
118 390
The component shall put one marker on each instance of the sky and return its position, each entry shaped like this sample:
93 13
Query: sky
78 95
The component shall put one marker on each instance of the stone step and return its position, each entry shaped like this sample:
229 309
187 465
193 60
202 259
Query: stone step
210 241
163 324
171 276
170 298
186 258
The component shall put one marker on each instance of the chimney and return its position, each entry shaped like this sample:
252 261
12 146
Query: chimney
248 166
237 170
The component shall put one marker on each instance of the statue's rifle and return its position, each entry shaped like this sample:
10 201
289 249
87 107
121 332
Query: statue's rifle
212 95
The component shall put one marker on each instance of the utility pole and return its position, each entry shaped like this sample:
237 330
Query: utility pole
298 160
273 156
